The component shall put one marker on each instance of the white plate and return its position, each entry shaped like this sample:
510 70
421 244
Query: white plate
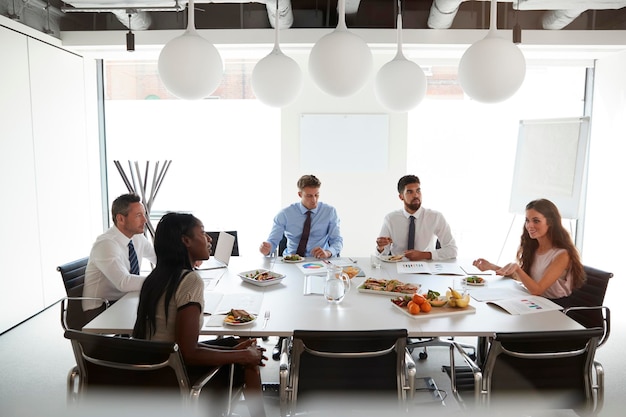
476 284
290 261
240 324
247 277
387 258
360 288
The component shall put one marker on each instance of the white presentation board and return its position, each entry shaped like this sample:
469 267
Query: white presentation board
550 163
344 142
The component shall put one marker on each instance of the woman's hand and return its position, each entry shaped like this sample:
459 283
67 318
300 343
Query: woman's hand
509 270
485 265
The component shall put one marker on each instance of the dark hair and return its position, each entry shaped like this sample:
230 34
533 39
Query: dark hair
406 180
558 235
121 205
172 260
308 181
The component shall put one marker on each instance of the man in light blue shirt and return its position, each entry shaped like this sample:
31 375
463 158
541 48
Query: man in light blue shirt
324 239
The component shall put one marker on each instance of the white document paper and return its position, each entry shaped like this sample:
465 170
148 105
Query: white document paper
432 268
314 284
493 294
529 304
217 303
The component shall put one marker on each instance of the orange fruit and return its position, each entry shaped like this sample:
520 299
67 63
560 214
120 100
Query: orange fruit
426 307
409 304
414 308
418 299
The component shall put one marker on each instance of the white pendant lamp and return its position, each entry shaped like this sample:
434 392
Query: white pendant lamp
277 78
492 69
400 84
340 63
190 66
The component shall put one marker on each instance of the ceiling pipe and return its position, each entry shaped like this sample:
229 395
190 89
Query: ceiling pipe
558 19
139 20
442 13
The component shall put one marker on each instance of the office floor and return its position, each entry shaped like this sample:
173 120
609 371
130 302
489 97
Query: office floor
36 359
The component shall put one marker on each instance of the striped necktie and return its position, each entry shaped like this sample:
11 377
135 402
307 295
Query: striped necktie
132 258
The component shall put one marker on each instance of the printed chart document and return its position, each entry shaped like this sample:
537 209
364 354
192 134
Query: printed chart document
432 268
312 267
470 269
526 304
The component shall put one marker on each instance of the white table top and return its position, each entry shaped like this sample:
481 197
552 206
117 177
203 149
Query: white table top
291 309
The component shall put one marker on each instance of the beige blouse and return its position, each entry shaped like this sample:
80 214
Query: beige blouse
562 287
190 290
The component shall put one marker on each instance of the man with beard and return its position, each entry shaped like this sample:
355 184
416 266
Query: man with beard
416 232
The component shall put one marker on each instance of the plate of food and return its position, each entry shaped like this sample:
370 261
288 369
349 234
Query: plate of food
391 258
352 271
261 277
475 281
237 317
292 259
387 287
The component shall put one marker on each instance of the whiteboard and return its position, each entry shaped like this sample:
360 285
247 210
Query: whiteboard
550 163
344 142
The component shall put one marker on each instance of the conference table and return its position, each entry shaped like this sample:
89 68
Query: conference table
290 308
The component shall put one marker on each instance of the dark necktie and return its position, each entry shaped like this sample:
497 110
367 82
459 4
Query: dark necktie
305 235
411 243
132 258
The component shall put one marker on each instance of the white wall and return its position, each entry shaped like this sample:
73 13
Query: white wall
350 193
49 179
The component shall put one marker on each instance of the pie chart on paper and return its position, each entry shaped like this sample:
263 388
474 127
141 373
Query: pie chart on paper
312 268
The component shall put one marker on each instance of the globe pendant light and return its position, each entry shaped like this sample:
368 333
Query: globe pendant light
190 66
277 78
492 69
400 84
340 62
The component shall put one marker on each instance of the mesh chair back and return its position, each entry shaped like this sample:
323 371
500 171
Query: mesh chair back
114 362
351 361
591 294
73 276
539 364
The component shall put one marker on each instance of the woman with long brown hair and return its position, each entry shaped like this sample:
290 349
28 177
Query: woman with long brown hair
548 262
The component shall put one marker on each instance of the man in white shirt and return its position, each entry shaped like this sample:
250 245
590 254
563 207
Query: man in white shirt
429 228
108 274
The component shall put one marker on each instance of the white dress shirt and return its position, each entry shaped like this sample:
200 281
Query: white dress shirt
430 226
108 270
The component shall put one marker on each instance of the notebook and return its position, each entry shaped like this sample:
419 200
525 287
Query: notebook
221 254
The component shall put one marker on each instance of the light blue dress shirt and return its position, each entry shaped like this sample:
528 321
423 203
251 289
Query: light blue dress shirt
324 229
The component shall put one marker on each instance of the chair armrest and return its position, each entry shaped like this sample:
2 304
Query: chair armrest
197 386
476 370
606 322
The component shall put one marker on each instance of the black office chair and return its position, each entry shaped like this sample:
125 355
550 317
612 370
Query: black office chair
585 304
215 236
72 314
334 364
282 245
533 371
105 363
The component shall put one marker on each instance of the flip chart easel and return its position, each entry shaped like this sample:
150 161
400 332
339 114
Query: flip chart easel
551 162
